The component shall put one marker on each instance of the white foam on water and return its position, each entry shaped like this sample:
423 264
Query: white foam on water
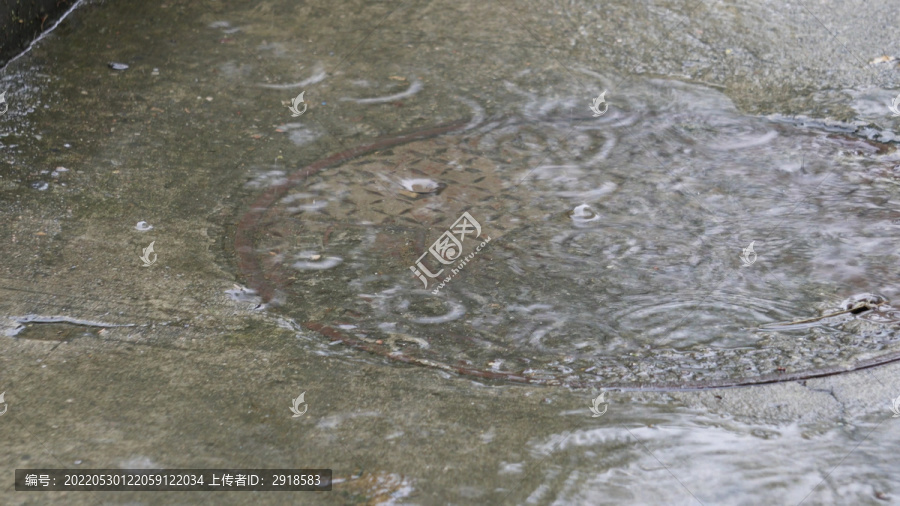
584 214
317 265
419 185
414 88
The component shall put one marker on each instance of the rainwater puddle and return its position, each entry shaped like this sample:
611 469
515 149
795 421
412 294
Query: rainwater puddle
607 251
691 458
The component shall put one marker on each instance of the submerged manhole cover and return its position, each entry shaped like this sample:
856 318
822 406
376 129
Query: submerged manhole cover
608 250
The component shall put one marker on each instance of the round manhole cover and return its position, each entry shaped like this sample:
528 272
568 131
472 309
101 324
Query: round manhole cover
588 252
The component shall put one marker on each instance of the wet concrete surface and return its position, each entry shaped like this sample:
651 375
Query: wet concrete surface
23 21
185 139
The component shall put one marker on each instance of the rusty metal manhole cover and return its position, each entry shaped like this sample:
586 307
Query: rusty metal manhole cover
587 273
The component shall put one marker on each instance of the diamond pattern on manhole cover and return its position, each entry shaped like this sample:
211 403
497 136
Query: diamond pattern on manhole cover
548 293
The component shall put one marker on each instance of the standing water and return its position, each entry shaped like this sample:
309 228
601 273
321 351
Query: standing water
457 252
615 244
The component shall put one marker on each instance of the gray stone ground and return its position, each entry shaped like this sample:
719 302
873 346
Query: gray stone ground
206 382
